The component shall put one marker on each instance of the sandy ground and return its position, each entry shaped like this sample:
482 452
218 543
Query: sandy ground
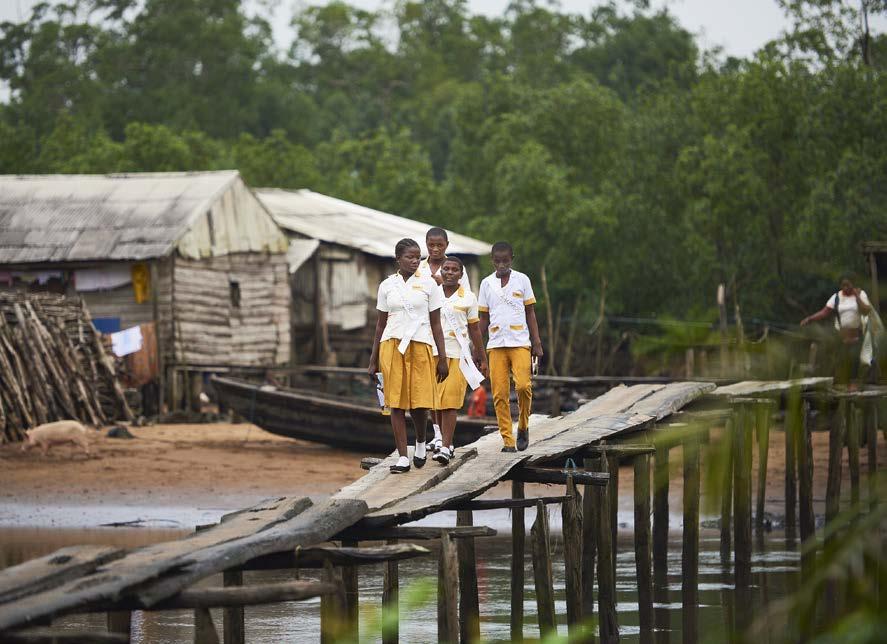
178 476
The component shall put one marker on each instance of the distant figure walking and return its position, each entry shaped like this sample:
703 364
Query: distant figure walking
508 312
408 325
848 307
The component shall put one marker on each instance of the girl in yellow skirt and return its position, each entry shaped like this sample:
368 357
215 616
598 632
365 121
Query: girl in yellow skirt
409 323
467 364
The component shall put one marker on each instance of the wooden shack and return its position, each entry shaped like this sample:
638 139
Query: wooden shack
339 253
194 254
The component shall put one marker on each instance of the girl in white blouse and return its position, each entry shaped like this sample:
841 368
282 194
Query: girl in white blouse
407 327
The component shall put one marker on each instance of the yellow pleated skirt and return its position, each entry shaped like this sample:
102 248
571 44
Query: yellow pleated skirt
450 394
409 378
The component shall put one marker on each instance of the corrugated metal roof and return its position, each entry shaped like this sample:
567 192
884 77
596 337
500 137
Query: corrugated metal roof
341 222
95 217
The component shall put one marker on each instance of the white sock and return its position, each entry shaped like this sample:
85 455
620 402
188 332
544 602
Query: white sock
403 461
420 450
437 435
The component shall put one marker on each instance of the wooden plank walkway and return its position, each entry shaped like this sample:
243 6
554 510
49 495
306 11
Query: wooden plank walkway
770 387
153 575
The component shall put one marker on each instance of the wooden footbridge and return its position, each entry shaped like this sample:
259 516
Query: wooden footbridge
294 533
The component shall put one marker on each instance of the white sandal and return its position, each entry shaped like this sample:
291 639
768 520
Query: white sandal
442 456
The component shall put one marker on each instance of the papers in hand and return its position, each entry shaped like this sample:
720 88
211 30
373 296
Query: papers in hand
380 389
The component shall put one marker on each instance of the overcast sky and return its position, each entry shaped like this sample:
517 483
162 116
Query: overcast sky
739 27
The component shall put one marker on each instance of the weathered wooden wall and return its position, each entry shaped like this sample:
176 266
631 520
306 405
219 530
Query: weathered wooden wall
209 329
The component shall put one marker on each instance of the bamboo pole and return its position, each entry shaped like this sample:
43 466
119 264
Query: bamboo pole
233 628
542 573
690 550
120 621
447 591
642 545
517 564
613 504
571 514
469 603
792 430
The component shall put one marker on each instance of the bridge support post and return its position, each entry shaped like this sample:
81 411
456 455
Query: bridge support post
518 546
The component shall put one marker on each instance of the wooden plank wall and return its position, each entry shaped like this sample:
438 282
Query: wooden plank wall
210 330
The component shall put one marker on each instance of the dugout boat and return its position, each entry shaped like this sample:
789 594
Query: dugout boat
322 418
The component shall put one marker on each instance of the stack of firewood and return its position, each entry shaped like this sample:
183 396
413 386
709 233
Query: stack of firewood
53 366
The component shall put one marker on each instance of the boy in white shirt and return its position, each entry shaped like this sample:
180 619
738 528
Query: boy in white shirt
437 241
508 312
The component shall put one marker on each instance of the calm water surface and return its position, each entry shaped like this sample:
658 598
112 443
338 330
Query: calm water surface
774 569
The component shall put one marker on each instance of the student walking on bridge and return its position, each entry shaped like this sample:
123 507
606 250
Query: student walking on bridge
508 312
408 325
467 363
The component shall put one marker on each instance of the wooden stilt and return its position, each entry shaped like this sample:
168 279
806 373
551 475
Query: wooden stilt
690 551
589 542
613 491
871 431
661 614
742 448
762 431
204 629
837 434
542 575
447 592
571 514
518 545
807 520
727 491
853 430
608 624
352 594
792 429
332 607
390 608
642 545
233 629
120 621
469 603
835 447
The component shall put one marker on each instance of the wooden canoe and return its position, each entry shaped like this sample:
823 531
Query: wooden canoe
331 420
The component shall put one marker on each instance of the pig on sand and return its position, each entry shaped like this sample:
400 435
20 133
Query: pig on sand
57 433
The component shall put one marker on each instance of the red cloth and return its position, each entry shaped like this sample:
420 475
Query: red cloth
478 404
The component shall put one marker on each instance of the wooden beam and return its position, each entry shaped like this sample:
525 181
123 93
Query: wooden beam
542 573
469 602
316 556
390 607
533 474
496 504
414 533
642 546
221 597
447 592
571 519
233 627
45 635
623 450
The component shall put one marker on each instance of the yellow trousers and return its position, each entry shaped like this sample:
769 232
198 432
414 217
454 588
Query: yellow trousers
513 362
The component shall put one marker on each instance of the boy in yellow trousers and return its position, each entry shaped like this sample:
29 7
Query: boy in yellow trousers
508 313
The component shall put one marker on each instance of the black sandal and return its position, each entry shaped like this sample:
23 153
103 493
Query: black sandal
399 469
419 462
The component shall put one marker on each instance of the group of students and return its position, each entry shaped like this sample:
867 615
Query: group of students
428 345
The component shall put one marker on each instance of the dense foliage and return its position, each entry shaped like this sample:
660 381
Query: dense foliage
604 145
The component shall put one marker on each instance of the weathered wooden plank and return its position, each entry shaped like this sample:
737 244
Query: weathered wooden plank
52 570
671 398
156 572
531 474
316 556
761 387
415 533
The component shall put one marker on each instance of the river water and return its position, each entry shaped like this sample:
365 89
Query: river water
774 568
